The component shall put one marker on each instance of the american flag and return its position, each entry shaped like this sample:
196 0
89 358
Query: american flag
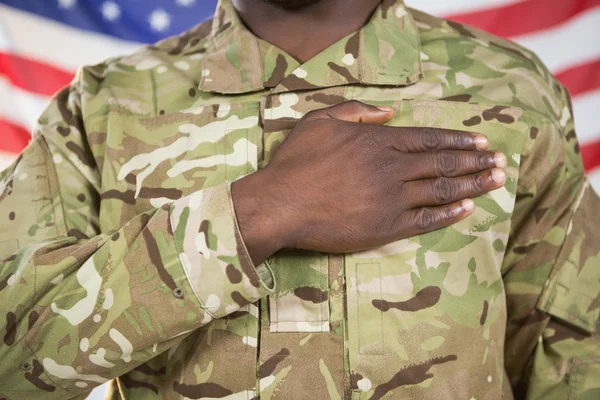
42 42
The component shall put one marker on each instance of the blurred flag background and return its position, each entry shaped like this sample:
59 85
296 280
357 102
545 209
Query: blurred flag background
42 42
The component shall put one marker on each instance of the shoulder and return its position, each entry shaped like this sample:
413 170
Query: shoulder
130 81
492 69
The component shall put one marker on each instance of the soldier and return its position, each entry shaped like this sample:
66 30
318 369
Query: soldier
369 247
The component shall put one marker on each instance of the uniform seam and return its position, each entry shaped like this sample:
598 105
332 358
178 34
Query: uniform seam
58 189
33 352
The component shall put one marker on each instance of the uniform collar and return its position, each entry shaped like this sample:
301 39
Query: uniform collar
385 52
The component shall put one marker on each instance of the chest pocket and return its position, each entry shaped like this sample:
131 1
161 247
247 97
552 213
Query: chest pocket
175 155
417 307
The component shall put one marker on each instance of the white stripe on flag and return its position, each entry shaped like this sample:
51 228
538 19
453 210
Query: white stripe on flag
586 108
57 44
448 7
571 43
19 106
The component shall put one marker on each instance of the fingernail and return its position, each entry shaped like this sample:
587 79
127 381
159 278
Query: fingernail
500 160
385 108
481 142
468 205
498 175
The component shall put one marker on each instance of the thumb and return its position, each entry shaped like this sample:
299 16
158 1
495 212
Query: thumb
355 111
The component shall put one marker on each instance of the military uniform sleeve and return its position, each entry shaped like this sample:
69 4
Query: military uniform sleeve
81 306
552 269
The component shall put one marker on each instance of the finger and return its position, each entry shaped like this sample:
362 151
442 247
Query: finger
449 163
427 219
354 111
439 191
419 140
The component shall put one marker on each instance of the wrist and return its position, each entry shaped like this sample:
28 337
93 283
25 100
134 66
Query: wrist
259 218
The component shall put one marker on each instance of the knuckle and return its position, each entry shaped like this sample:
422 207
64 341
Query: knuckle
444 190
477 183
450 212
431 139
482 161
462 140
444 214
425 219
447 163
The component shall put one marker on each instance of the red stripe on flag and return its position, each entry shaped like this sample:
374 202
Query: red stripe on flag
14 138
582 78
590 152
32 75
524 17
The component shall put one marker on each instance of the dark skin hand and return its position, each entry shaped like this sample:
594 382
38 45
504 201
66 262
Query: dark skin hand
342 182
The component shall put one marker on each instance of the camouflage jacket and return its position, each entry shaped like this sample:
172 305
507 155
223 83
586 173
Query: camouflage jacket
122 259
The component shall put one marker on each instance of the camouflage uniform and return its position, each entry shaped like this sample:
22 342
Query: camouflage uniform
123 260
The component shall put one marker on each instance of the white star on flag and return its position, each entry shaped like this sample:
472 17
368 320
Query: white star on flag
66 3
185 3
111 10
160 20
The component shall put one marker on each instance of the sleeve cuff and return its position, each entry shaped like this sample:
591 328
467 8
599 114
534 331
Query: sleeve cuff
213 253
263 270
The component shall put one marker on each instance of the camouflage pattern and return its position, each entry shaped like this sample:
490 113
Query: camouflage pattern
123 259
